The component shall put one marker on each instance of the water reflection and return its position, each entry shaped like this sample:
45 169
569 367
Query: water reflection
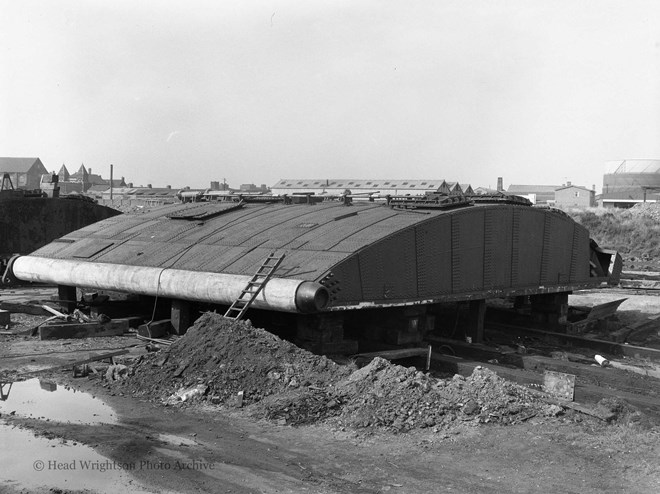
44 399
32 462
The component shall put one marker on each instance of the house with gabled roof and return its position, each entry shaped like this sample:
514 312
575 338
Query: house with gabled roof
25 173
64 175
575 196
91 180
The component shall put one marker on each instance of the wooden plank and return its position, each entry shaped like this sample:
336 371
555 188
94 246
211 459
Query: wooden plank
539 363
650 371
395 354
156 329
600 346
399 354
116 327
34 310
55 312
95 358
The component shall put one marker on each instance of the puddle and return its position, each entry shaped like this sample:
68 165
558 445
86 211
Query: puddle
44 399
30 462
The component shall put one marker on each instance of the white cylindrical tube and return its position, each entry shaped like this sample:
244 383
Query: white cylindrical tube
280 294
602 361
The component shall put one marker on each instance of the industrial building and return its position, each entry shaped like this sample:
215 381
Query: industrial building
369 186
629 182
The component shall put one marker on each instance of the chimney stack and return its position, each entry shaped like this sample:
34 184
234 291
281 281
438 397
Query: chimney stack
500 186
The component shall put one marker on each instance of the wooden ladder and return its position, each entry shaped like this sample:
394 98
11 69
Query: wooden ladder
254 286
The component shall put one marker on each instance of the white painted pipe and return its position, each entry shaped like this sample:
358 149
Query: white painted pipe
279 294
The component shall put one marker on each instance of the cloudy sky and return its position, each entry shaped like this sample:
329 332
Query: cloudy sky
183 93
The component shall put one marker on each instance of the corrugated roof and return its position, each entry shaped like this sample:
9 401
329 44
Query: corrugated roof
349 183
314 238
99 188
632 166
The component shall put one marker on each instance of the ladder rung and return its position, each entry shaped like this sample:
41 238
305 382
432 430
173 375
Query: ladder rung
254 286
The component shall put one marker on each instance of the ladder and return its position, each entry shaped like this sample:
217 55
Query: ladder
254 286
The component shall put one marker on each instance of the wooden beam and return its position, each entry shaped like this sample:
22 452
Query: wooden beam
35 310
155 329
539 363
475 328
180 316
67 297
600 346
116 327
399 354
95 358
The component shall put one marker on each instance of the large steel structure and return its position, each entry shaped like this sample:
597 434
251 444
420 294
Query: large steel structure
627 182
338 257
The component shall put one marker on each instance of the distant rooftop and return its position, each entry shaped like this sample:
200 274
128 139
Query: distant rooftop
17 165
351 183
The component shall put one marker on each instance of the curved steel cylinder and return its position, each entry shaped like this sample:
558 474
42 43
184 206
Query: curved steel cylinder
279 294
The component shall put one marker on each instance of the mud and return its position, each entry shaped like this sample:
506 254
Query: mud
306 424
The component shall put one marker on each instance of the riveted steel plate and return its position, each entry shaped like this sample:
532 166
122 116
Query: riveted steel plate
559 385
376 254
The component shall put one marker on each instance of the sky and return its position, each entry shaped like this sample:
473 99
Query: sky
184 93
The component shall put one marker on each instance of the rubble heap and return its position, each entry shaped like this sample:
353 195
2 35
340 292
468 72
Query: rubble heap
221 358
229 357
389 396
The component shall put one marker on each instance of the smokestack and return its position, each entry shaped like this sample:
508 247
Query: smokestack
500 186
111 166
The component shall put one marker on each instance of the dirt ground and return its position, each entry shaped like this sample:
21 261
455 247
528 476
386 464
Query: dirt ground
213 445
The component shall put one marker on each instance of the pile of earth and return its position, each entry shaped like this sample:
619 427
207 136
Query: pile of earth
397 398
219 359
224 357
